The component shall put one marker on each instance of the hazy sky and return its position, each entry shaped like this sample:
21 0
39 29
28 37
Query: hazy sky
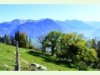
83 12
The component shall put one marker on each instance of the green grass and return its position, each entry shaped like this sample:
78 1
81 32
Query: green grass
27 56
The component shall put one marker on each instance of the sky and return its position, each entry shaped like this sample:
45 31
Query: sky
84 12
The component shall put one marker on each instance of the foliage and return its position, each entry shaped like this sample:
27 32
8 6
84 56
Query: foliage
82 66
51 40
22 39
71 46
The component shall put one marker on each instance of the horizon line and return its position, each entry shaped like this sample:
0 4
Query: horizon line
51 19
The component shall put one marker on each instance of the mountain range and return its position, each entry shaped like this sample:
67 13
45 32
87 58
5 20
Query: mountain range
38 28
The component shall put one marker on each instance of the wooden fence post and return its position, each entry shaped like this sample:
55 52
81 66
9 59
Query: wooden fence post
17 66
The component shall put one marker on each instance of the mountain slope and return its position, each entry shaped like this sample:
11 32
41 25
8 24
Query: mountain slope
96 34
94 24
36 29
8 27
77 26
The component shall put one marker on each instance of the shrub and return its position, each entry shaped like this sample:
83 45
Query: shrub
31 47
82 65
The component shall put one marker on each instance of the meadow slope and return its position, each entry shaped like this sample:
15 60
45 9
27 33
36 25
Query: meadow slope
27 56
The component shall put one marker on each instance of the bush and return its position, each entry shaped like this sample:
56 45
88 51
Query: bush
97 65
31 47
82 66
76 58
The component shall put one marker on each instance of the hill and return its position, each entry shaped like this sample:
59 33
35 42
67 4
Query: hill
7 59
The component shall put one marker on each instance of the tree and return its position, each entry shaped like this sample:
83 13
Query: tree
1 39
98 49
7 39
17 37
12 40
52 39
41 40
90 44
30 41
21 38
71 42
94 43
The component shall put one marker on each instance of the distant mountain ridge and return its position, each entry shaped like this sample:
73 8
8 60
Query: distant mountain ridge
77 26
37 28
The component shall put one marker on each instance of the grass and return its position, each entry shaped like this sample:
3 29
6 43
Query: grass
28 56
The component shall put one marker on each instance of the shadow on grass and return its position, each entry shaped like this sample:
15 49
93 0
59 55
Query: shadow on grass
52 59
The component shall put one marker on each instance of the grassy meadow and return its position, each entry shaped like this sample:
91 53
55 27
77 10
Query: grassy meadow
28 56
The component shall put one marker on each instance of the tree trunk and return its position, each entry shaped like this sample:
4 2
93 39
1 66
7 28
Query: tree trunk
17 67
52 50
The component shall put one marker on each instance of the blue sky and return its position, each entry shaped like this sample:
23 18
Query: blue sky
62 12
